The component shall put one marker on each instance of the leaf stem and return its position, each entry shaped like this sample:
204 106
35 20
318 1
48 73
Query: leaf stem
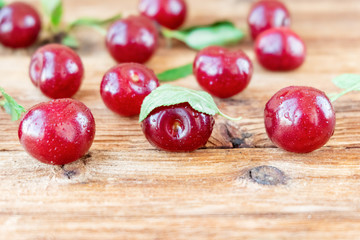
2 103
167 33
228 117
335 97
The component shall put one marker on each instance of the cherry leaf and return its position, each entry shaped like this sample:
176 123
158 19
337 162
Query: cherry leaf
2 3
346 81
175 73
70 41
53 9
11 106
198 37
92 22
168 95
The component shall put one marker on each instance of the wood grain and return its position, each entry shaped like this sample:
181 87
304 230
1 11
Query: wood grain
125 189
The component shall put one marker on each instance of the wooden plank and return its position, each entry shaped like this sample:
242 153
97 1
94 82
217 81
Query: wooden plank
126 189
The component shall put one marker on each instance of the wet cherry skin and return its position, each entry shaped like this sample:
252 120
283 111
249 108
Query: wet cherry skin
267 14
57 70
57 132
280 49
168 13
299 119
178 128
125 86
221 72
133 39
20 25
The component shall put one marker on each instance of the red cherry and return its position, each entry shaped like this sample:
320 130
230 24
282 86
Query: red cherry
221 72
299 119
178 128
57 132
125 86
168 13
133 39
267 14
20 25
280 49
57 70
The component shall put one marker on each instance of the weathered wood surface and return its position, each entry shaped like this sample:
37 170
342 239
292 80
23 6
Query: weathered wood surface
125 189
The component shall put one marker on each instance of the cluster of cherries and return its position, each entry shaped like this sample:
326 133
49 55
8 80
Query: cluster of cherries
297 119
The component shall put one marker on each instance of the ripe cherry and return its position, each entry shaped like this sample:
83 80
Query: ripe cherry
280 49
133 39
221 72
267 14
178 128
168 13
299 119
20 25
125 86
57 70
57 132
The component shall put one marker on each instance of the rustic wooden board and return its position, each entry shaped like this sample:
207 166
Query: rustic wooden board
125 189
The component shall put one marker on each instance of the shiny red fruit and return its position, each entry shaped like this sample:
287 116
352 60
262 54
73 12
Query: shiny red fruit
299 119
178 128
280 49
267 14
57 70
133 39
221 72
168 13
125 86
57 132
20 25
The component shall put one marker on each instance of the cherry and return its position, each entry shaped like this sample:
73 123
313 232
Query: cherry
221 72
57 70
125 86
280 49
267 14
133 39
299 119
178 128
20 25
57 132
168 13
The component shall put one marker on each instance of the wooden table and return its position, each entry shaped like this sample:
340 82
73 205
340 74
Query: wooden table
125 189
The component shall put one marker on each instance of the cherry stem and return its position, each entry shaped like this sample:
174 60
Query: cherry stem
228 117
335 97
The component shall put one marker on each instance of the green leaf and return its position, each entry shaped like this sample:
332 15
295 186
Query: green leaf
167 95
70 41
2 3
91 22
11 106
176 73
346 81
54 10
349 82
220 33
